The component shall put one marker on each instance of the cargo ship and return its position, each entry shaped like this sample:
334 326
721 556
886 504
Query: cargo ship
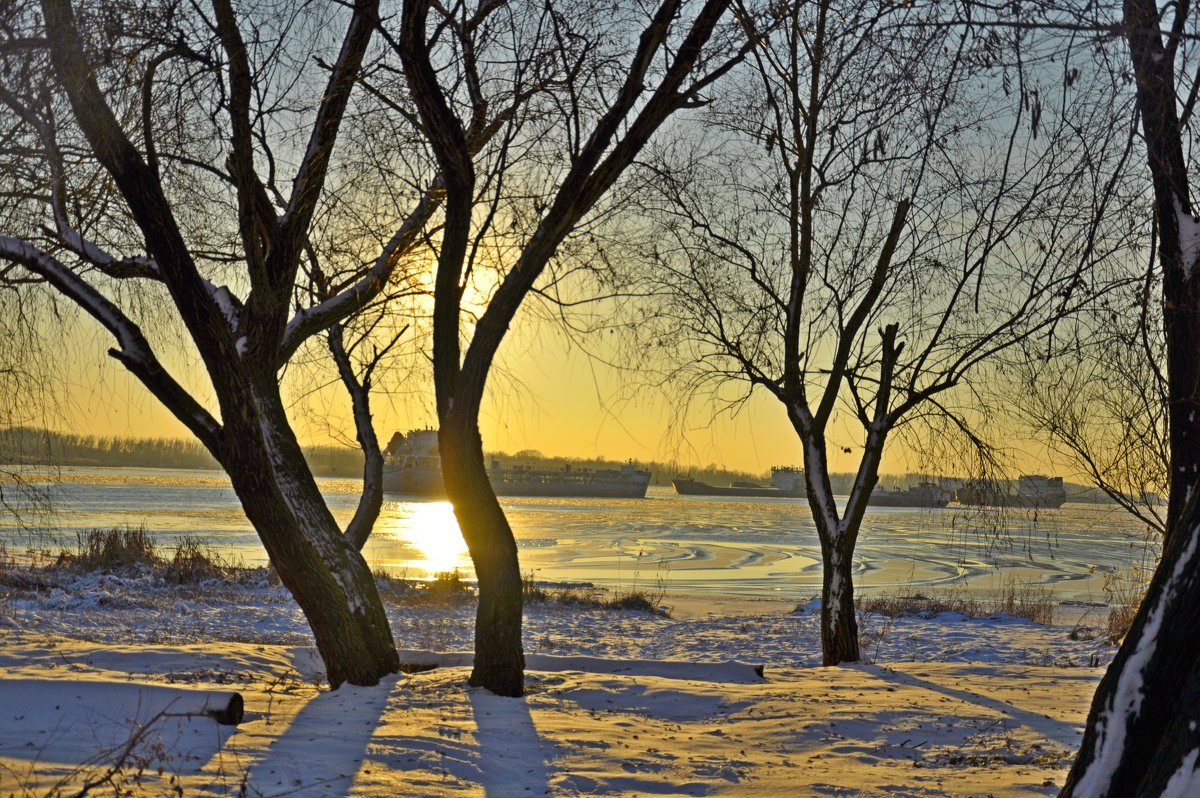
1032 491
787 483
925 494
413 466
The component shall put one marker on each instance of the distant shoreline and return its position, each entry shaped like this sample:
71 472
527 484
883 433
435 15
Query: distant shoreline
23 446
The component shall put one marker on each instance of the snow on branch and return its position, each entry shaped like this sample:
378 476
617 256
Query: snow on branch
65 232
111 265
77 290
310 321
228 303
1189 238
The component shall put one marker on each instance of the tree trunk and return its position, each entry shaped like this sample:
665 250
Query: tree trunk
499 658
1154 68
1142 732
1142 736
838 537
322 569
839 626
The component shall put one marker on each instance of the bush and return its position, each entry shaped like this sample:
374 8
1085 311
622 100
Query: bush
111 549
1032 602
393 588
587 596
447 587
1123 592
530 592
191 564
636 601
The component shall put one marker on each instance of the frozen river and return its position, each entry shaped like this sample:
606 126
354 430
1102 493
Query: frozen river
736 547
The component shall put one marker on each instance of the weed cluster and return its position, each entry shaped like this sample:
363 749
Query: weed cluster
110 550
1124 588
586 596
1032 602
1123 592
392 588
446 588
119 549
191 564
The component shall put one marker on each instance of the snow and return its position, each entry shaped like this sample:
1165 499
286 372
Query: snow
228 304
618 703
1189 238
1184 782
1113 721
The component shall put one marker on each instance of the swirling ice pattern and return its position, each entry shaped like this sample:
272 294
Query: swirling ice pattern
699 545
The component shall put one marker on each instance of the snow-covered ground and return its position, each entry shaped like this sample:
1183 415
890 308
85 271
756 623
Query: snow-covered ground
948 705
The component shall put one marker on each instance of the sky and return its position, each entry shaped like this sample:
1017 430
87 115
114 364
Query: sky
547 395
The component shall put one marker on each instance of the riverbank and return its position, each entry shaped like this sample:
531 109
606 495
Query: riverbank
619 703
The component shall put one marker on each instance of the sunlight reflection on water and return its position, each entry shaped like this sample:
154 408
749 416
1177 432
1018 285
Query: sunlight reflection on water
418 539
693 544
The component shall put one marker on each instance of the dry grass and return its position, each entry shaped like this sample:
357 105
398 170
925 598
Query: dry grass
531 591
1032 602
192 563
7 568
637 601
120 549
392 588
447 588
110 550
586 596
1123 592
1125 588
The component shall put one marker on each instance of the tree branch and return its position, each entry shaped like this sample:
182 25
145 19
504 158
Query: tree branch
134 352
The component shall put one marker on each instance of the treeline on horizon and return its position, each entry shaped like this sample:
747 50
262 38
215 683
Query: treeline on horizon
30 446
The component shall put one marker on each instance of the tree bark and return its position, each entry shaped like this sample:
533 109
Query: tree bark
1142 736
321 568
1154 69
839 626
499 658
239 343
1142 729
838 535
620 133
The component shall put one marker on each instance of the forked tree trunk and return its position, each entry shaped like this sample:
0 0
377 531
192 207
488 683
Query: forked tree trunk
499 658
254 441
1143 731
321 568
838 536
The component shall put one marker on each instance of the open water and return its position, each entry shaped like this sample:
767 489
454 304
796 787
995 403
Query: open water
736 547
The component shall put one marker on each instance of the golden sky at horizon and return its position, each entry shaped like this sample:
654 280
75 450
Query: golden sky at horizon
548 396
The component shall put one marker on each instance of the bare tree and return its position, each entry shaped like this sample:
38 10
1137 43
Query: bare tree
509 208
886 208
167 162
1142 735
